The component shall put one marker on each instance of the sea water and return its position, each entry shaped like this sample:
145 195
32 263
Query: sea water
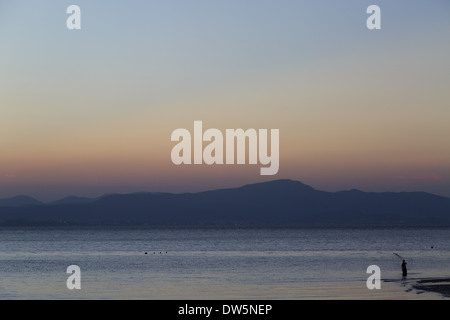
219 263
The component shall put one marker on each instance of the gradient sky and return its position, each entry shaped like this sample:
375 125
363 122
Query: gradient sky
90 112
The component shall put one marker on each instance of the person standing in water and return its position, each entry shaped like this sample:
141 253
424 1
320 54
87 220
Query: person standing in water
405 272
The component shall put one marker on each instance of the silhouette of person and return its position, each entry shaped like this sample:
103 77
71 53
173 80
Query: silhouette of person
405 272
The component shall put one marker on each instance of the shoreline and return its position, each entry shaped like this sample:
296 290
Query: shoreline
437 285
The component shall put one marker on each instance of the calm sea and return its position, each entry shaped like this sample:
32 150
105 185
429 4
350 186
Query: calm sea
218 263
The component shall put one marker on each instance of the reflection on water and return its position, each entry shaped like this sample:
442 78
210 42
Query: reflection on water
218 263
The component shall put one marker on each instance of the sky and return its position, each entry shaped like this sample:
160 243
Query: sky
91 111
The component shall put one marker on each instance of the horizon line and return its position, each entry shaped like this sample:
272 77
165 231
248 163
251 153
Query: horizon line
210 190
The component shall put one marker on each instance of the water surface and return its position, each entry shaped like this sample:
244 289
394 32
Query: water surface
214 263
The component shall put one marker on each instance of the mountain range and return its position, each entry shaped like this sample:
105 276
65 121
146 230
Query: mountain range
268 204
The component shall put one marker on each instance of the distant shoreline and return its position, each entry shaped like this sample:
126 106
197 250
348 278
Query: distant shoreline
37 224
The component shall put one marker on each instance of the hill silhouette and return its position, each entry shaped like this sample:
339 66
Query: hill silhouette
18 201
274 203
72 200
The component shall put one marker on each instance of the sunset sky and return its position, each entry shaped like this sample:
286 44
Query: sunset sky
91 111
